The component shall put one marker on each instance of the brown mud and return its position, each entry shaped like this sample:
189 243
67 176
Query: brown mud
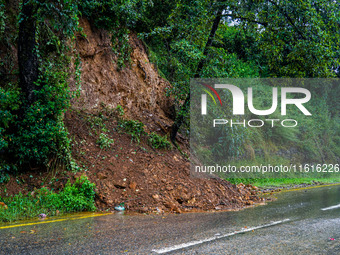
144 179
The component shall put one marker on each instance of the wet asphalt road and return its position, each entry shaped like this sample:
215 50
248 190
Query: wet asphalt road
293 224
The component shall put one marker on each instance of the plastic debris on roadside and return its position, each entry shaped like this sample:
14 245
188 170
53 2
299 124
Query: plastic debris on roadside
42 215
120 208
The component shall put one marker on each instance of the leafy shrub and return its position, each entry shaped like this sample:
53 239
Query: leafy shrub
95 122
104 141
119 110
158 142
2 17
33 132
73 198
4 177
134 128
78 197
41 133
9 99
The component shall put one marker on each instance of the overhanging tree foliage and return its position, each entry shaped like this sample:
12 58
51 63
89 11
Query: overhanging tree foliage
185 107
27 51
32 129
186 39
275 38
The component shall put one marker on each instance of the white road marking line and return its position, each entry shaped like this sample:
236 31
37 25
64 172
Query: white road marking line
331 207
193 243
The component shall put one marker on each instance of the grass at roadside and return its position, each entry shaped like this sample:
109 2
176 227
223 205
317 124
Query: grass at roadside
73 198
282 182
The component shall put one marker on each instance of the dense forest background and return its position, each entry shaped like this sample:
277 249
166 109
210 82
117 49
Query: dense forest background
185 39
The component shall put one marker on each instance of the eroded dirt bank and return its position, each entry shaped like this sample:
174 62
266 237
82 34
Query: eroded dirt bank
135 174
143 178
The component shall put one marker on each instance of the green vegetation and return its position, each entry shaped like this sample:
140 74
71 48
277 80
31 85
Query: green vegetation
195 39
184 39
96 123
98 128
159 142
118 17
119 110
315 139
282 182
104 141
75 197
134 128
31 124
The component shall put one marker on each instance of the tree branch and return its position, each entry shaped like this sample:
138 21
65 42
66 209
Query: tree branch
246 19
289 19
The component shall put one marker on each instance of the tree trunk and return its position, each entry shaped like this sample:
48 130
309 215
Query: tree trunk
213 30
179 119
185 107
27 55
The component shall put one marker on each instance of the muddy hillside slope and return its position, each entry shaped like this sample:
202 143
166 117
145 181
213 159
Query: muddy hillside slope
139 89
129 171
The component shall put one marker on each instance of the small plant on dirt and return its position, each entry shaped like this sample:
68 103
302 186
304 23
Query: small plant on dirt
74 166
158 142
134 128
96 122
109 111
104 141
119 110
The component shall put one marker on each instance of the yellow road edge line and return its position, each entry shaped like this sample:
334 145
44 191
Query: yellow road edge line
311 187
51 221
